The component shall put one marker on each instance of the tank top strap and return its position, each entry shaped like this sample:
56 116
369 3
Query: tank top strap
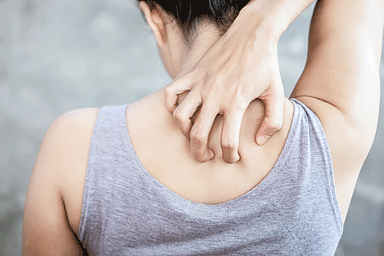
106 153
293 211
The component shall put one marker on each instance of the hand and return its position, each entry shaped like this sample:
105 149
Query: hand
231 74
240 67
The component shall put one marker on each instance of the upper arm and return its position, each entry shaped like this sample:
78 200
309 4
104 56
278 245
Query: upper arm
341 82
344 53
46 226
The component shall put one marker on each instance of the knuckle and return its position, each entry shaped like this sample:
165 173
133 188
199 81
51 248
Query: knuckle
168 91
274 125
218 87
219 83
179 115
239 99
228 144
211 95
197 137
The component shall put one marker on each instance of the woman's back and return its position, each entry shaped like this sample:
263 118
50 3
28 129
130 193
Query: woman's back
165 153
340 83
292 210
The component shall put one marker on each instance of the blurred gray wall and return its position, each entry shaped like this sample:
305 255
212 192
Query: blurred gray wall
59 55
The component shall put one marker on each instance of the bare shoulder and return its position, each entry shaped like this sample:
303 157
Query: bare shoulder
59 173
70 130
82 118
74 134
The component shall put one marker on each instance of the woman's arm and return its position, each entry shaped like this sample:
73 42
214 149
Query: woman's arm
341 82
46 220
241 66
46 229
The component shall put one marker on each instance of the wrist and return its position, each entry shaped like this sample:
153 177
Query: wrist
272 18
263 21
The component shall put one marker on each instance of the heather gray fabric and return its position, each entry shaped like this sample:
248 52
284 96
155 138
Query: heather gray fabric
293 211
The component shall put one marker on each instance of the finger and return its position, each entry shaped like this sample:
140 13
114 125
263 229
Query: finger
186 110
175 88
200 132
230 135
273 119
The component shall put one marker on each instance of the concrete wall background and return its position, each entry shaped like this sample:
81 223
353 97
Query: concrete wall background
60 55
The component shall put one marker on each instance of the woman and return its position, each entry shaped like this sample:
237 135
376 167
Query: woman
123 180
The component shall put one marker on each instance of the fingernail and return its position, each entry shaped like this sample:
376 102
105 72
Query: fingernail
262 140
210 154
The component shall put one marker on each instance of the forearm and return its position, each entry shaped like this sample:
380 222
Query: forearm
271 16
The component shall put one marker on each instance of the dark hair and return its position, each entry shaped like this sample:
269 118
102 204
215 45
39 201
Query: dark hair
189 13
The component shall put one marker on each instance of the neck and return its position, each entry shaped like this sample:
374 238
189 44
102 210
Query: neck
206 36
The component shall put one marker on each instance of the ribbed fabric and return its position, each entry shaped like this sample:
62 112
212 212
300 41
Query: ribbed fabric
293 211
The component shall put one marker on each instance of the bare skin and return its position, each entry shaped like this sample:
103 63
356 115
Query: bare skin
340 84
240 67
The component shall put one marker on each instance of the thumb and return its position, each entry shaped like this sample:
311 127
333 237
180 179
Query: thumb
175 88
273 119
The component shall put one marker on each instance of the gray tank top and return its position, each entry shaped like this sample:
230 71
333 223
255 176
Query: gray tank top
293 210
